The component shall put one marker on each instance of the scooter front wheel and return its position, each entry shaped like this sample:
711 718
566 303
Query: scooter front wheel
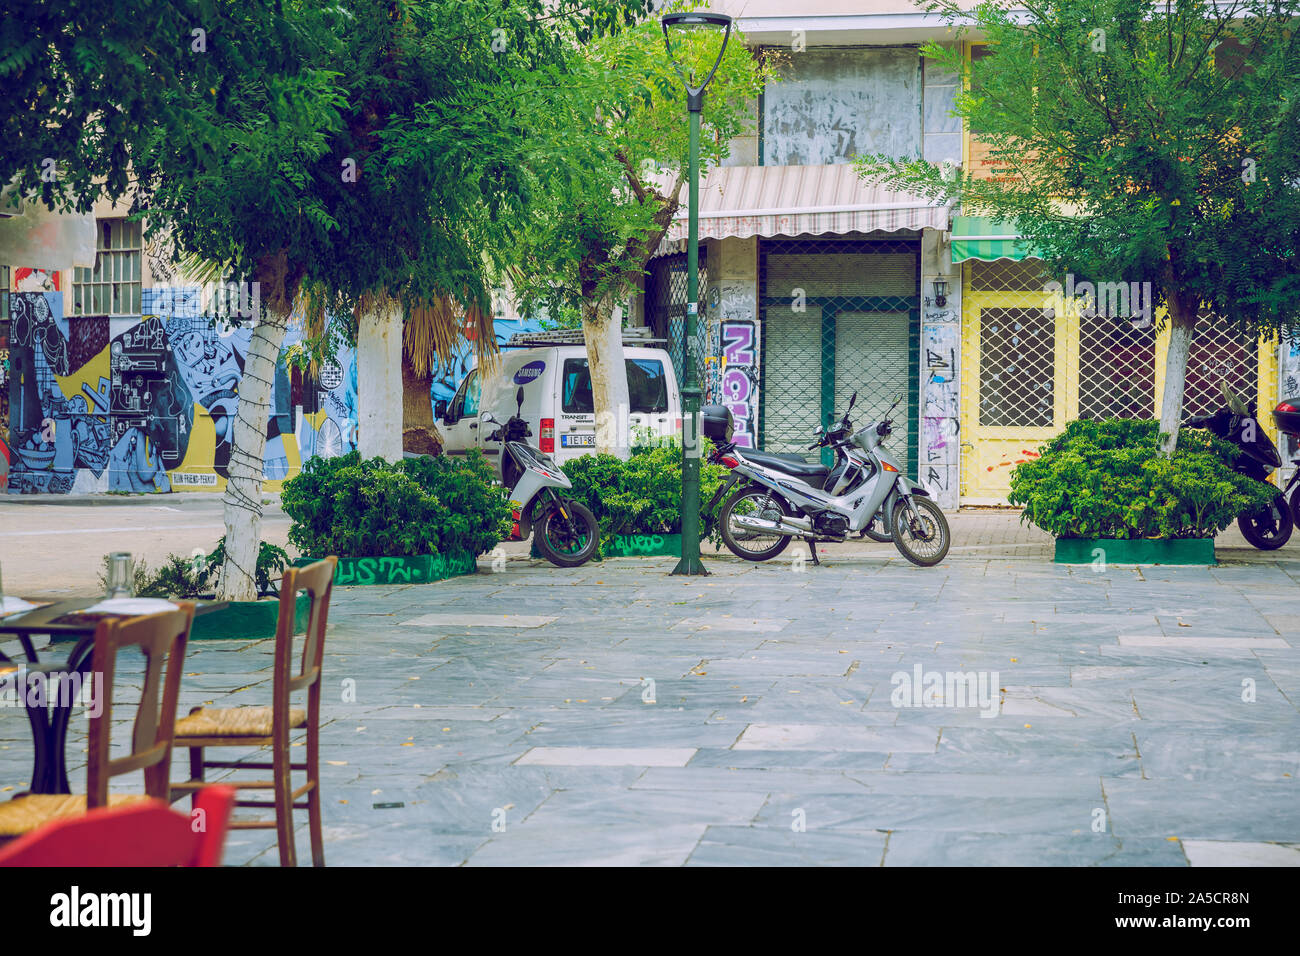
567 541
921 532
1269 529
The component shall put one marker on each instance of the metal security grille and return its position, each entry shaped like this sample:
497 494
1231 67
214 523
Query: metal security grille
1017 367
1007 275
666 308
1035 363
1220 356
1117 367
838 316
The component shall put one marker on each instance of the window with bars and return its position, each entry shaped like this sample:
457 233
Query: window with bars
1117 368
665 306
1017 367
1219 356
113 286
1008 275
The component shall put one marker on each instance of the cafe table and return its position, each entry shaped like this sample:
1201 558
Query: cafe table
58 620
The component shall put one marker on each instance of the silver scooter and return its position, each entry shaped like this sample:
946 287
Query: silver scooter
567 531
780 499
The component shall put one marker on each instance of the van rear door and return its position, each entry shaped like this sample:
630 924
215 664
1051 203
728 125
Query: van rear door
652 396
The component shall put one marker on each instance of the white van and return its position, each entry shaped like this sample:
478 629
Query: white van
558 400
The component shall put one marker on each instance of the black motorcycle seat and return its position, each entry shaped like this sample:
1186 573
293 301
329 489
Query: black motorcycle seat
797 469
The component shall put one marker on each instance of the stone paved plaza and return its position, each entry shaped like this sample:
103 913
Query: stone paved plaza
615 714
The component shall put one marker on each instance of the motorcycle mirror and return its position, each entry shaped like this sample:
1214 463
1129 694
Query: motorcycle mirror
818 430
853 400
489 418
519 398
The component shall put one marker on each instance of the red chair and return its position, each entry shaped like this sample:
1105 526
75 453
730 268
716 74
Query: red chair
147 833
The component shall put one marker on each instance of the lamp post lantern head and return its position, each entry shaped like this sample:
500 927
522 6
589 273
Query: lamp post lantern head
683 24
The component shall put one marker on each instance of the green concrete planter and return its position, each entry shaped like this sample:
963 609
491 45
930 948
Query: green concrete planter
644 545
247 620
400 569
635 546
1135 550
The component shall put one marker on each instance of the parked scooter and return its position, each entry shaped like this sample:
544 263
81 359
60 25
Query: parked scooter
567 532
1270 528
780 498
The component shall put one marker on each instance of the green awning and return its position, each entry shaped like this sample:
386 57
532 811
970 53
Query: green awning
987 239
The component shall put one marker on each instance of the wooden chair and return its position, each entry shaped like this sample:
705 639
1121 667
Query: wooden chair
148 833
269 726
159 636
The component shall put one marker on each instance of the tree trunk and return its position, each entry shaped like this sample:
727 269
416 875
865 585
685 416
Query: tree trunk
243 498
420 434
602 330
1182 324
379 381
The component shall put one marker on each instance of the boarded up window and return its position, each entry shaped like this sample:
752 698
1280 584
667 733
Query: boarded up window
832 105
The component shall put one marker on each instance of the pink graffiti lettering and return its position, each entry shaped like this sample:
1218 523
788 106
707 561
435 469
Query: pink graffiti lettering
738 343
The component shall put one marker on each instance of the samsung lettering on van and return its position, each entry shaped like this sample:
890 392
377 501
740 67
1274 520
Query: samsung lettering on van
529 372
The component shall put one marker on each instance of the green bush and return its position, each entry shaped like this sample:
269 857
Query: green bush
1107 479
643 494
425 505
271 562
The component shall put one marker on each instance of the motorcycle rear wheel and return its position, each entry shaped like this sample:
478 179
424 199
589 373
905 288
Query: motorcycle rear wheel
925 540
757 503
568 542
1269 529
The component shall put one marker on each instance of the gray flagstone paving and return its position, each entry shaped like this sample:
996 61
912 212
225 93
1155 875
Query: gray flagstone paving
614 714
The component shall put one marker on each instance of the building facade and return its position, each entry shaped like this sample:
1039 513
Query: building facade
819 285
115 377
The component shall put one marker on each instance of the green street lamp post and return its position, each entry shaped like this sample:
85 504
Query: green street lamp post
681 23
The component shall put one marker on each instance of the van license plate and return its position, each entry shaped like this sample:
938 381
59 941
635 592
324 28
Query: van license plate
577 441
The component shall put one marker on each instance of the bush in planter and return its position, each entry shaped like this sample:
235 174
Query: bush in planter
355 508
196 577
1107 479
643 494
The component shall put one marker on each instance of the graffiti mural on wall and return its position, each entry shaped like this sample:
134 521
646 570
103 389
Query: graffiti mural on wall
739 344
332 429
145 404
940 410
447 376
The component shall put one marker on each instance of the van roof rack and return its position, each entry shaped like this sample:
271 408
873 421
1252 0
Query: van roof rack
633 336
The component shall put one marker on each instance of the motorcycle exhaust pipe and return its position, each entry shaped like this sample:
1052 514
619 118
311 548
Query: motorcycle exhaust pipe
796 527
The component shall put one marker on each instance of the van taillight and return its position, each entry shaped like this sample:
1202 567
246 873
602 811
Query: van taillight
548 435
679 424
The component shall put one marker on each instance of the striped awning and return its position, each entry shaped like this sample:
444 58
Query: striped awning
745 201
987 239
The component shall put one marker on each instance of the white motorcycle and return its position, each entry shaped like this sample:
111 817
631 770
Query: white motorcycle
782 499
567 531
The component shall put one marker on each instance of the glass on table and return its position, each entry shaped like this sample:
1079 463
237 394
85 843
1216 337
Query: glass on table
121 580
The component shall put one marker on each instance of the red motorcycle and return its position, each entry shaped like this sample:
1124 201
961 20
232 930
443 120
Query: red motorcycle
1287 418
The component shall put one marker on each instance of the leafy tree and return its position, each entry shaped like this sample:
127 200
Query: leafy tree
378 205
350 157
611 149
1139 142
